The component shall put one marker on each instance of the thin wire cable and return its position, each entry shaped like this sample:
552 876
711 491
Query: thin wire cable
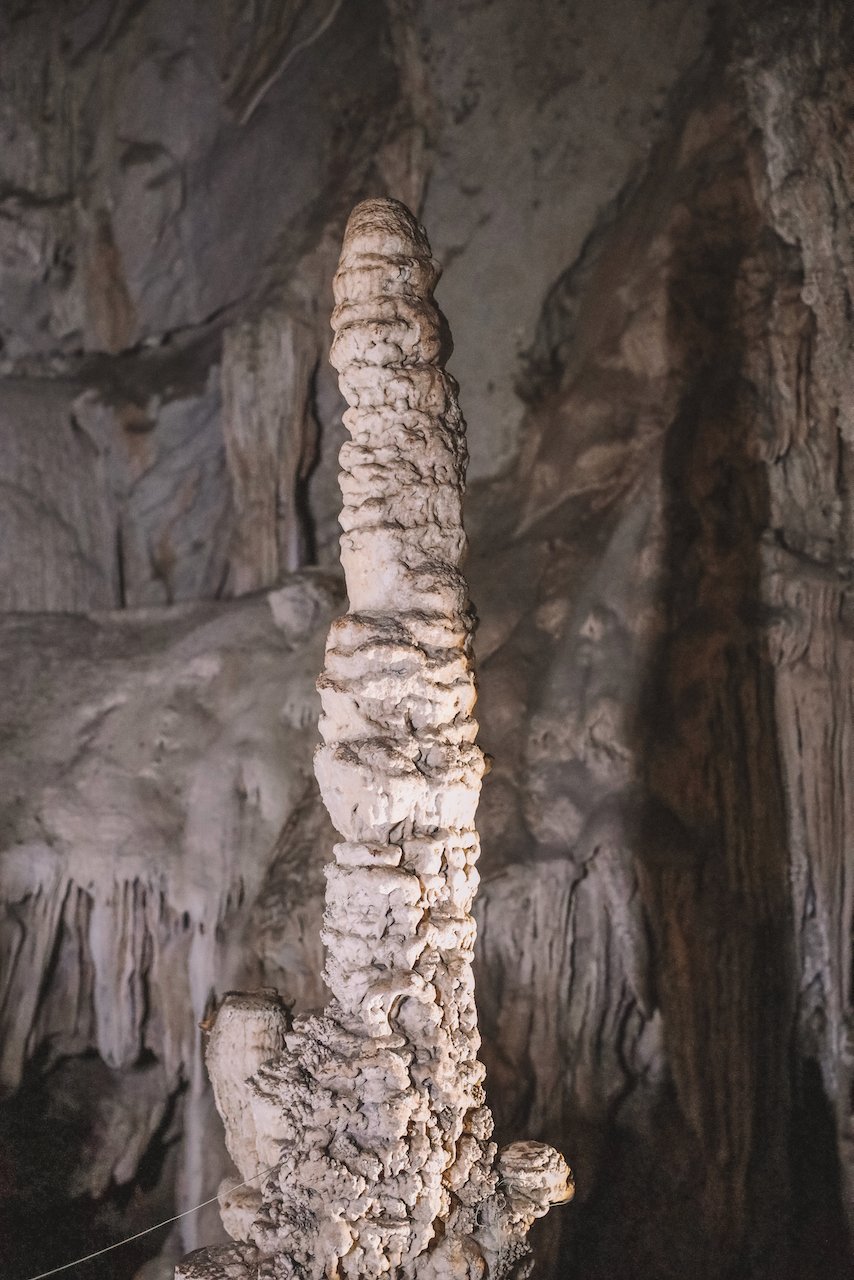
66 1266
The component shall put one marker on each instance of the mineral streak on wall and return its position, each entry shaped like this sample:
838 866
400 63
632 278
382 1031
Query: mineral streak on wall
374 1114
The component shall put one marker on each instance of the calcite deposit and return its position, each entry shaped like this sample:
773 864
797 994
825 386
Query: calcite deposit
365 1128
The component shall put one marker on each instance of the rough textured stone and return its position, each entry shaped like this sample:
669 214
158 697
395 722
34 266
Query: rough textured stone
367 1123
59 544
662 577
267 372
146 796
172 170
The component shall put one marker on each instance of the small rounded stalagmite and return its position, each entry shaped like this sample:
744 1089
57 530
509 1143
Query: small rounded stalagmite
374 1113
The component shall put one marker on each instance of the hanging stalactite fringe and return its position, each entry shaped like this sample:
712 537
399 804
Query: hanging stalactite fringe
89 1257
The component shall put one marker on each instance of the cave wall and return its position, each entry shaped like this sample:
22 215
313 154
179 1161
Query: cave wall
643 215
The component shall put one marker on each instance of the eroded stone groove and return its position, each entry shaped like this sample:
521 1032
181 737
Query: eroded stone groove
374 1113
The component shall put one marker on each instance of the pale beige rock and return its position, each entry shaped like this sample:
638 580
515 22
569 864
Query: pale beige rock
374 1112
267 367
248 1029
152 819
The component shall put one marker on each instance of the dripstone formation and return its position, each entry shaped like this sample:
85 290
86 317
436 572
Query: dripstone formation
371 1115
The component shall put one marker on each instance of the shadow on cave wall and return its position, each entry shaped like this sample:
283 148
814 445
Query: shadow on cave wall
48 1135
712 837
734 1172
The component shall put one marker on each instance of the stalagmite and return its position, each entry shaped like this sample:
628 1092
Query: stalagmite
372 1117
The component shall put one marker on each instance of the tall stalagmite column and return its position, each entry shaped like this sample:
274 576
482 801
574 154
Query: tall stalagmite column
373 1117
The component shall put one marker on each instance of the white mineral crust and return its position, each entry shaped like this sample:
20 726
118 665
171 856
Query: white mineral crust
373 1115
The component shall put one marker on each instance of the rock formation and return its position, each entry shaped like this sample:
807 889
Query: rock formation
372 1114
643 214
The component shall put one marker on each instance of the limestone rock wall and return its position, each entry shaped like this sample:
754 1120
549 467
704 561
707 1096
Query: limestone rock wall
643 216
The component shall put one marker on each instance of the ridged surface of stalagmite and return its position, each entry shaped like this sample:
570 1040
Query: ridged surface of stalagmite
374 1117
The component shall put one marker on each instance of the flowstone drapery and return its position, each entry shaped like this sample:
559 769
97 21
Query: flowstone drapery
371 1115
